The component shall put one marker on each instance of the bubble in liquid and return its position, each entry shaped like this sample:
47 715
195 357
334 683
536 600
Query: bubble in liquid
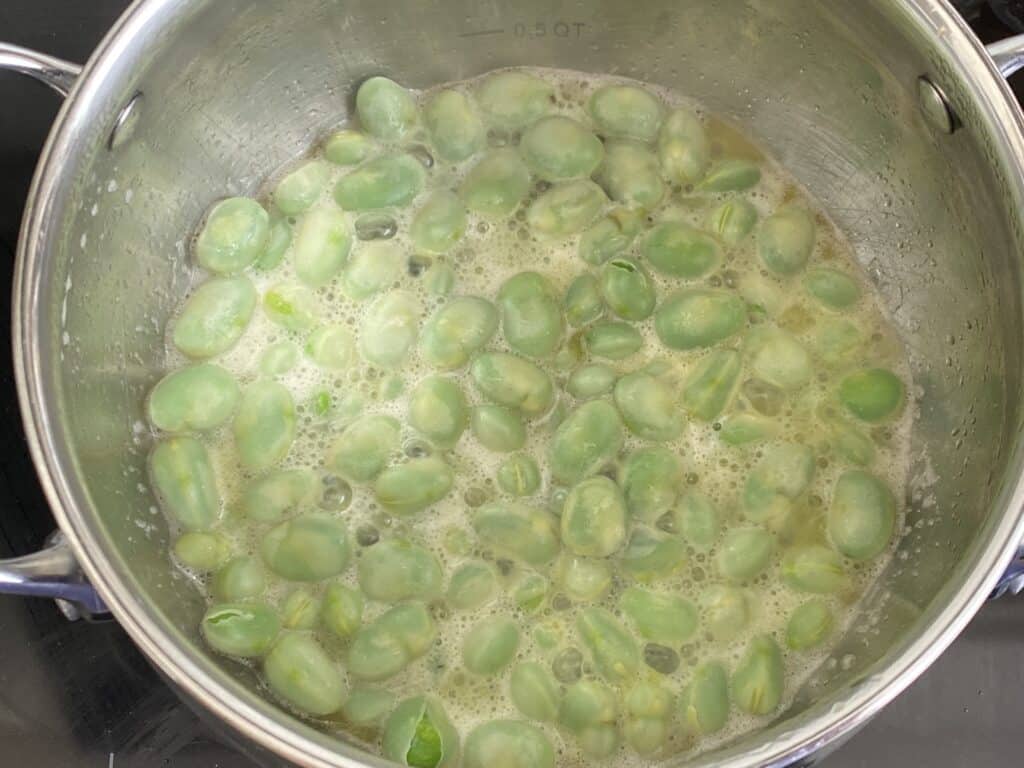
376 226
661 658
568 666
336 495
766 398
422 154
418 264
475 496
367 535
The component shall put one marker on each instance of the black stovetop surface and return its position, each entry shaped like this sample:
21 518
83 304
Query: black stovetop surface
78 695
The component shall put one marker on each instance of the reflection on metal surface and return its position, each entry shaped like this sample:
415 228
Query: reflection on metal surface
935 107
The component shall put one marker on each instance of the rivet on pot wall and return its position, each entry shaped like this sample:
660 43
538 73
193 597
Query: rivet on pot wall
935 107
126 121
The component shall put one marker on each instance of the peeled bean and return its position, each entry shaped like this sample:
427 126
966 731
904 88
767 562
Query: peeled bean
342 610
367 707
284 491
301 610
278 240
388 181
439 223
241 578
508 744
651 555
240 629
498 428
594 518
783 474
589 438
387 645
862 517
322 242
519 475
531 315
727 612
589 711
582 579
732 221
872 395
610 235
214 317
613 341
363 449
196 398
649 478
457 330
386 110
683 147
372 268
704 703
785 240
679 250
291 306
666 619
490 645
809 625
184 482
590 381
566 209
418 733
520 531
583 302
397 570
627 289
837 341
613 650
300 672
712 384
414 485
513 382
497 184
778 358
474 583
745 553
747 429
695 317
233 236
757 683
534 691
698 521
648 407
557 148
513 100
202 551
264 425
389 329
832 288
648 715
730 175
348 147
438 410
455 128
626 111
299 189
311 547
814 569
631 175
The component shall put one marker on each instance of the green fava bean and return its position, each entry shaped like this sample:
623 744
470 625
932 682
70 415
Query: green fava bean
490 645
301 610
196 398
776 357
747 429
666 619
522 532
591 381
872 395
733 220
439 279
648 712
683 148
322 242
508 744
413 486
439 224
202 551
348 147
583 303
631 175
814 569
531 316
386 110
648 407
240 579
745 553
291 306
556 148
513 382
649 479
438 410
581 579
279 358
184 482
278 240
712 384
698 521
589 710
397 570
497 184
809 625
271 497
363 449
332 347
704 703
240 629
390 643
456 331
610 235
513 100
730 175
783 474
612 341
389 329
727 612
785 240
264 426
473 584
614 652
757 682
529 594
214 317
388 181
851 443
367 707
311 547
679 250
299 189
589 438
519 475
832 288
627 289
837 341
234 235
299 671
372 268
626 111
693 317
498 428
652 555
862 517
566 209
418 733
534 691
455 128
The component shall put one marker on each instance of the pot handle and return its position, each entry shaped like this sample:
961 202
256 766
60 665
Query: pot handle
1008 54
51 572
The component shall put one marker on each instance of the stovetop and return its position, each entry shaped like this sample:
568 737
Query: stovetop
77 695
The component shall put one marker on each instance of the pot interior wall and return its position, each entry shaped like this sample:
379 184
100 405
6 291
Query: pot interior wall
232 90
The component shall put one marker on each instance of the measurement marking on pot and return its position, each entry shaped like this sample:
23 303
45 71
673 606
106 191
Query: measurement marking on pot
482 32
567 30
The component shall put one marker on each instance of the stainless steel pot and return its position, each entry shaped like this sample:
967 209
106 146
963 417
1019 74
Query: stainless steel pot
189 100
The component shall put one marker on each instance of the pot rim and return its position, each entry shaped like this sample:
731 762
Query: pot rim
197 675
